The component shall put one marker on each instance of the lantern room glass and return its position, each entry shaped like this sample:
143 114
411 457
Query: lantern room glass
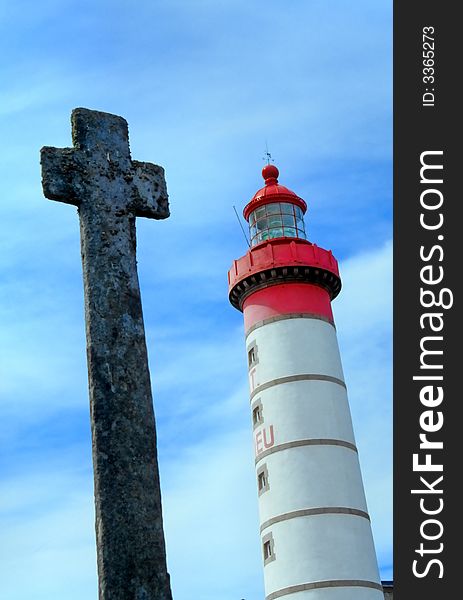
278 219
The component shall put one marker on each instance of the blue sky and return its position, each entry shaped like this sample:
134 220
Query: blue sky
203 84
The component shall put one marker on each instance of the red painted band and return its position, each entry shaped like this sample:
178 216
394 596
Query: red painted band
284 299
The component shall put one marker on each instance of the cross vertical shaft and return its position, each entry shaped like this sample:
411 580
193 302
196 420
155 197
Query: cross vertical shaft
110 190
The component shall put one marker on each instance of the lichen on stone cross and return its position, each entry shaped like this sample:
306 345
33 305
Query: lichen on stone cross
99 168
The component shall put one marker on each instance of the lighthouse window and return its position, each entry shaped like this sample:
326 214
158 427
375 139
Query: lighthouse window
275 232
275 220
262 480
260 212
286 208
262 224
291 232
268 548
273 208
288 220
252 355
257 413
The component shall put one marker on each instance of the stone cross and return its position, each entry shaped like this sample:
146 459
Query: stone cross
110 189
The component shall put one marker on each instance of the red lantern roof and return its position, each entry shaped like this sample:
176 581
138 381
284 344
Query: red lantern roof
272 192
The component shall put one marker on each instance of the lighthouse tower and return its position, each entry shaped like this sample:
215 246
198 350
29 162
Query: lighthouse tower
315 530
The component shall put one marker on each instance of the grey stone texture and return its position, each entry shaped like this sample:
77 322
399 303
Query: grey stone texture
110 189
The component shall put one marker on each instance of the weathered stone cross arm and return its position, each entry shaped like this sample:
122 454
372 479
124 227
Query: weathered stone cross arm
100 159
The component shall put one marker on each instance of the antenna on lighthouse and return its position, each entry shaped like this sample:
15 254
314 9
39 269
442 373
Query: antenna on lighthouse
268 156
242 229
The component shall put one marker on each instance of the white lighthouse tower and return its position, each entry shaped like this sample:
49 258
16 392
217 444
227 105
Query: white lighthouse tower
314 525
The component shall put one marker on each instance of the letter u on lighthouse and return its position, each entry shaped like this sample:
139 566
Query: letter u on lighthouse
315 530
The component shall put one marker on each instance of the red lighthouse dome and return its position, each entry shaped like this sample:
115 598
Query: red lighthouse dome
280 253
272 192
275 211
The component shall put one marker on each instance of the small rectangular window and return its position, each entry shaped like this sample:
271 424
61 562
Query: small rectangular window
257 413
260 212
301 234
257 239
276 232
252 356
287 209
273 209
262 224
262 480
288 221
267 550
290 232
276 220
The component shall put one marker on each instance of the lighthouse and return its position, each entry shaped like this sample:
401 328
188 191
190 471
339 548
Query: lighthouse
315 529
